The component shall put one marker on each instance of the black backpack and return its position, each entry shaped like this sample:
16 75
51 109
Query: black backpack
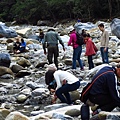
80 40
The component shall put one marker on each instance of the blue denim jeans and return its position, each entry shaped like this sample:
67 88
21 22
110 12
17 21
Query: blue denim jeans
65 89
76 56
104 55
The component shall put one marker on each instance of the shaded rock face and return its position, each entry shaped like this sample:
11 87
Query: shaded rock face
24 62
5 70
44 23
5 59
115 27
17 68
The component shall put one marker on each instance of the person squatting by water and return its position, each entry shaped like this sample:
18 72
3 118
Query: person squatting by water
104 91
18 46
65 83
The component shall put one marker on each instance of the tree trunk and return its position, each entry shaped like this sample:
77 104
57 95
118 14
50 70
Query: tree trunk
110 8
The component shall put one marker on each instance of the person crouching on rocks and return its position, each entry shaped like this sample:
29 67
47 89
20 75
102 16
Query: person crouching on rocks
22 46
65 83
16 45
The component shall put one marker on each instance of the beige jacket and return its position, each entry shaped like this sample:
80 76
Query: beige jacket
104 39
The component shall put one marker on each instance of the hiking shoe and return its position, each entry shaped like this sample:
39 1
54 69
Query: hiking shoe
96 112
82 69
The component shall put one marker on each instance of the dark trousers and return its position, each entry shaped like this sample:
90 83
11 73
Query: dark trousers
22 49
105 102
63 92
53 51
90 62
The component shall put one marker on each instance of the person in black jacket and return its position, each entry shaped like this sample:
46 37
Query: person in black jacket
104 91
16 45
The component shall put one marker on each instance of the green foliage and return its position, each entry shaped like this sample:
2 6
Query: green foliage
34 10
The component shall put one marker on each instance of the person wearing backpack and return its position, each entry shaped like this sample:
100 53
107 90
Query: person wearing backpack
89 49
77 49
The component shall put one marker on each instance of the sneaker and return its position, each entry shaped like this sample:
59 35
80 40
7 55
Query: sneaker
82 69
96 112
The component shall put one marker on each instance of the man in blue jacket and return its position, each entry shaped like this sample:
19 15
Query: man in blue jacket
104 91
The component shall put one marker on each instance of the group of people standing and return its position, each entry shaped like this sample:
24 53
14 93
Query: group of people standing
77 50
104 92
51 38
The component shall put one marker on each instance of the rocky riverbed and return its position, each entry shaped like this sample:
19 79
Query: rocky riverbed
23 92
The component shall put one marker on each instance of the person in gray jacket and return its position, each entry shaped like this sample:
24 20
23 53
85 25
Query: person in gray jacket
51 39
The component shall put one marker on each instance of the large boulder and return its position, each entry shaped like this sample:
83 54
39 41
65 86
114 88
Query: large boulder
16 116
7 31
115 27
5 59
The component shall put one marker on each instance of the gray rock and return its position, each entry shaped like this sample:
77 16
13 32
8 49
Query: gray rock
5 59
115 27
73 112
61 117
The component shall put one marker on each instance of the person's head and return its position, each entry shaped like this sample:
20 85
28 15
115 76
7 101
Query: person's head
51 29
71 29
83 31
22 40
86 36
17 39
78 20
49 77
101 26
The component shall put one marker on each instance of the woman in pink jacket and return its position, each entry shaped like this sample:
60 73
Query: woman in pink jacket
77 49
89 49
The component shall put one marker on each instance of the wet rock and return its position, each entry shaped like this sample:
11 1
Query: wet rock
24 62
54 106
68 61
16 68
16 116
5 70
34 85
40 92
41 64
3 113
21 98
115 27
5 59
43 23
23 73
61 117
73 112
24 32
75 95
33 113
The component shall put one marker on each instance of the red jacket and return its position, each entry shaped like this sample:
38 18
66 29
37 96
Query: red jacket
89 47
